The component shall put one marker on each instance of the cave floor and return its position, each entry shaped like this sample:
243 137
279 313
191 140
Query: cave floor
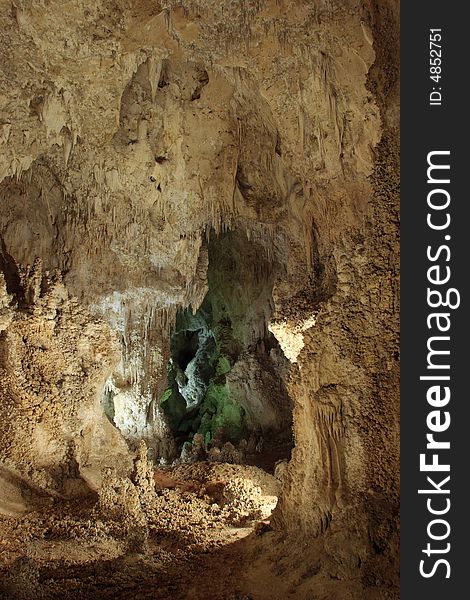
206 534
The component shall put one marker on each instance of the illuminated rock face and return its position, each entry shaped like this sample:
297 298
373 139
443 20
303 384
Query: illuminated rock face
132 138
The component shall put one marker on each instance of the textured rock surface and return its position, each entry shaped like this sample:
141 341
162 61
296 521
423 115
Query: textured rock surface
131 134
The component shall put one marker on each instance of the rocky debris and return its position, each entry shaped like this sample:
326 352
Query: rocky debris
218 450
151 152
22 580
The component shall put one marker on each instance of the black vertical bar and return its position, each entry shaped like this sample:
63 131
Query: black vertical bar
426 128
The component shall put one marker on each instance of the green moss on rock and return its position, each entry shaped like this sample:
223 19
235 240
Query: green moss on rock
220 411
174 407
223 366
165 396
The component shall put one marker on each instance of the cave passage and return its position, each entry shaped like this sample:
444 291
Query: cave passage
226 399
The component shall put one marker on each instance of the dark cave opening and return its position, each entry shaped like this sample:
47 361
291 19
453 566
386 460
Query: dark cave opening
226 398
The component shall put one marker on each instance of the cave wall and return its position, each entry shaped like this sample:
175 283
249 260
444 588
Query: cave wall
129 132
345 467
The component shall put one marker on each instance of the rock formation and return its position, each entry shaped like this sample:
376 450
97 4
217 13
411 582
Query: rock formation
225 172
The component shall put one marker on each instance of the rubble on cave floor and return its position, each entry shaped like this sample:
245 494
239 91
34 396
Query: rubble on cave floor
163 519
